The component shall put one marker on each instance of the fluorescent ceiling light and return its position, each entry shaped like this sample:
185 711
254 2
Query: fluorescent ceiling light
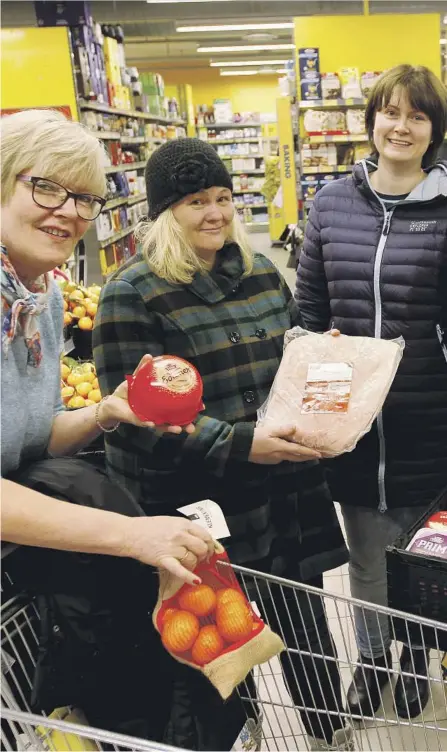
237 27
252 72
174 2
235 64
443 41
239 73
248 48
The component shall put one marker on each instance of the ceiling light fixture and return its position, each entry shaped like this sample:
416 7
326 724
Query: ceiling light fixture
271 72
237 27
237 63
248 48
174 2
239 73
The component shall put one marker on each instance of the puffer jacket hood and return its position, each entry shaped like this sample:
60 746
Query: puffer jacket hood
434 186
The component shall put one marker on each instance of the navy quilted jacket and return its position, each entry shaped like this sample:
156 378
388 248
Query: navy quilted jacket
377 273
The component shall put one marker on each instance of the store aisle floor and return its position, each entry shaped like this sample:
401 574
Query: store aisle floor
283 729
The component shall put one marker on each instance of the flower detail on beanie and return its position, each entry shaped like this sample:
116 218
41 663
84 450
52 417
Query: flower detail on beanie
190 175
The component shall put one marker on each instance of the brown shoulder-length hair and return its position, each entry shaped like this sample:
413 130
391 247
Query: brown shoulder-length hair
425 93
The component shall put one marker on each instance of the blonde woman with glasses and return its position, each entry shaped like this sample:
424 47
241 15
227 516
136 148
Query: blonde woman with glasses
53 187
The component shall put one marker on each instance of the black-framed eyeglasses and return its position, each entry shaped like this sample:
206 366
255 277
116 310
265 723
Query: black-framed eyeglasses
50 195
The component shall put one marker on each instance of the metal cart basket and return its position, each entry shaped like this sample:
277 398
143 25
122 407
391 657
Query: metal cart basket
279 716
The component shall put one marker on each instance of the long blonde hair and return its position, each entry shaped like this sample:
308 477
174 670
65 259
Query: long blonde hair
170 255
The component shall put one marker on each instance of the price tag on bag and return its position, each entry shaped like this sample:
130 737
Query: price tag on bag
209 515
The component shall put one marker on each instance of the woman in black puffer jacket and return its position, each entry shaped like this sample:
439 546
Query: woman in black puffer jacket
374 264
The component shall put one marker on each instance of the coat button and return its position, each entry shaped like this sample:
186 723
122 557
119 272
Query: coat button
249 396
261 333
234 337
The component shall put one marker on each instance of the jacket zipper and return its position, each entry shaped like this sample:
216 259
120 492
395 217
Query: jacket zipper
440 333
377 334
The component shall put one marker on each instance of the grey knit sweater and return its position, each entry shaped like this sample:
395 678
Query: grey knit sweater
30 397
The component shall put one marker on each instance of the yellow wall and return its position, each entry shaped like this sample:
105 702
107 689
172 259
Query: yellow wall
36 69
247 93
372 42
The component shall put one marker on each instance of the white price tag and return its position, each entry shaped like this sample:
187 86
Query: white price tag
209 515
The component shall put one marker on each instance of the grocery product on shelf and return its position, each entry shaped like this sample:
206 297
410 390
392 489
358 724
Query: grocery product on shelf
355 121
367 80
330 86
350 83
240 145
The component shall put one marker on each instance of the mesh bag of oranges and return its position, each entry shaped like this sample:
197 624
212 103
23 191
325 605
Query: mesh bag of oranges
212 626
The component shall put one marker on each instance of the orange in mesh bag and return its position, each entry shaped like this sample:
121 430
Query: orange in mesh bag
212 626
331 387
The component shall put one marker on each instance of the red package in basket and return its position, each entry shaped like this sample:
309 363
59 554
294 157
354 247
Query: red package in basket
213 627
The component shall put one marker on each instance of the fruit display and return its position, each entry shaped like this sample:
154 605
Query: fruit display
80 304
204 622
79 384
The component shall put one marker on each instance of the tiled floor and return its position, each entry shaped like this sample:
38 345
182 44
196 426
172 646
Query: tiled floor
282 727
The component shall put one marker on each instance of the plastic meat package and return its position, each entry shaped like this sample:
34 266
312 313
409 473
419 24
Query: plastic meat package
212 627
331 387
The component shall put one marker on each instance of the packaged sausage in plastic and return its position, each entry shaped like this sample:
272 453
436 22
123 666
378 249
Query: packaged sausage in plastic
212 626
331 387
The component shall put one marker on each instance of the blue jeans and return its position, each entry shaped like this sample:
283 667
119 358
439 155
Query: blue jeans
368 533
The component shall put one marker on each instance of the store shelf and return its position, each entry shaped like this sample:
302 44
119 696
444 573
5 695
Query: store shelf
248 190
136 199
231 125
256 226
259 155
213 141
106 135
132 140
96 107
330 103
117 236
130 200
251 206
247 172
124 167
340 139
337 168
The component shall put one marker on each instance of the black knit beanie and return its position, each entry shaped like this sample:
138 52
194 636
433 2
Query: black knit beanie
181 167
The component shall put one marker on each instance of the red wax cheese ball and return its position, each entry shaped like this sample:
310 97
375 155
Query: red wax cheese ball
198 599
167 390
208 645
234 621
180 632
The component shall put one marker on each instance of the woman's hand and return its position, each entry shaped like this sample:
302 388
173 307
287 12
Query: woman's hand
274 445
116 409
173 543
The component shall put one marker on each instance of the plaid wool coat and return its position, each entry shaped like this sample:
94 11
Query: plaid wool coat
281 517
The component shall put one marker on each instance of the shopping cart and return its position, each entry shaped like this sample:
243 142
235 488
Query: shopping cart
281 718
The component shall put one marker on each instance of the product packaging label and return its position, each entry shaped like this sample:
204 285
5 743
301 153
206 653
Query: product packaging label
327 388
209 515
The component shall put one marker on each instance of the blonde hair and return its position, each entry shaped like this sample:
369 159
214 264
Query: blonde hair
172 257
54 148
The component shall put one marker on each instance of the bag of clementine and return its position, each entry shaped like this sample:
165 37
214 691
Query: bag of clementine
212 626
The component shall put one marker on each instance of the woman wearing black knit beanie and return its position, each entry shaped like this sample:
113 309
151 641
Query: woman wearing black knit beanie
198 291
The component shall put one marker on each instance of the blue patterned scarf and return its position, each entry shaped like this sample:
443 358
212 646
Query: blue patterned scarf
20 308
